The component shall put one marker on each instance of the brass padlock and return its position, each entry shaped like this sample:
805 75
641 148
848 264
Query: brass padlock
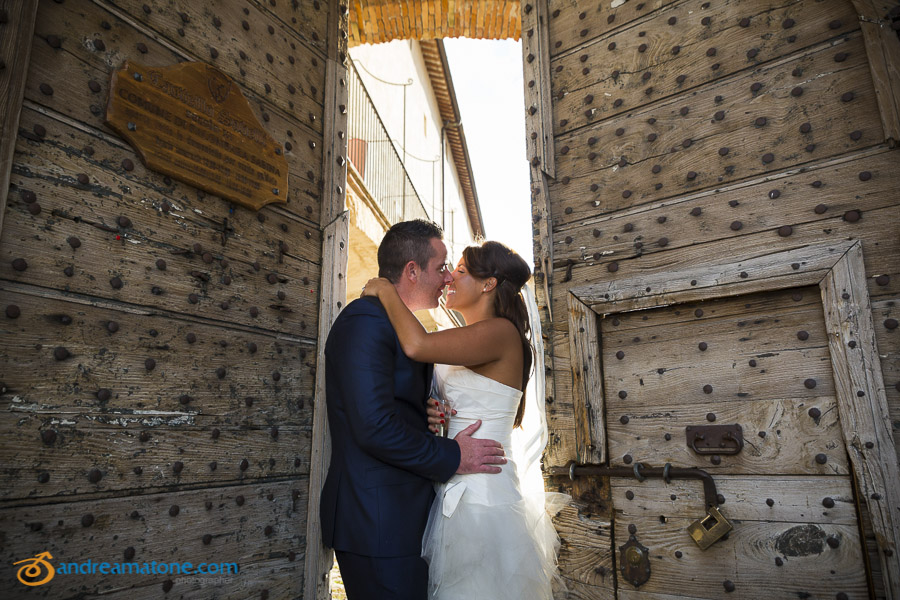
710 529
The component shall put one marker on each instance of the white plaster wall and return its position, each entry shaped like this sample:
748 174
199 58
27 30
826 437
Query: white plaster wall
398 62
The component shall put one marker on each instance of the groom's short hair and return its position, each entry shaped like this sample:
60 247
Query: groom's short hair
407 241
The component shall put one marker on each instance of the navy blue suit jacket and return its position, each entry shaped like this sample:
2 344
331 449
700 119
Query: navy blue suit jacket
379 489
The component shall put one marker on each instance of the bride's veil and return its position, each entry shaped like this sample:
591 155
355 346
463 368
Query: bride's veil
530 440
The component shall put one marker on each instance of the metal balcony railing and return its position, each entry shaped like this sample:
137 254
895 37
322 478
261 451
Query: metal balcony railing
376 159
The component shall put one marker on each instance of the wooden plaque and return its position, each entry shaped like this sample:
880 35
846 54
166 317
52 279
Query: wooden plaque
191 122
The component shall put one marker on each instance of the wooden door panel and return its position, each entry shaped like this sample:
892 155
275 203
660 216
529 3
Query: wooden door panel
671 51
818 549
793 439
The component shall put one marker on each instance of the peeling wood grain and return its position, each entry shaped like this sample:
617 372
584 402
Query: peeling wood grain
143 522
863 406
15 52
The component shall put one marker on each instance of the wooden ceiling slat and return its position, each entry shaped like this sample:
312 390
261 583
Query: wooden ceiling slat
376 21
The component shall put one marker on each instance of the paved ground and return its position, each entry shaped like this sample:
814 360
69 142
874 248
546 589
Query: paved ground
337 584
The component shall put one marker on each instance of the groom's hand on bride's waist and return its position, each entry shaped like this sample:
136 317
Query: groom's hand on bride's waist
478 456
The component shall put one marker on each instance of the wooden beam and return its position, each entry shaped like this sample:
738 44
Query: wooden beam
794 268
15 53
862 405
333 286
883 50
587 383
538 103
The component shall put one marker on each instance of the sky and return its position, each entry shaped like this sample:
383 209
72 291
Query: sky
487 76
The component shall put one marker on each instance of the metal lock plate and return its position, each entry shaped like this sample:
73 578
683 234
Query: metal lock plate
635 562
714 439
710 529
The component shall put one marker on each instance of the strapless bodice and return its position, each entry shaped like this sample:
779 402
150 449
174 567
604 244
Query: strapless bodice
475 396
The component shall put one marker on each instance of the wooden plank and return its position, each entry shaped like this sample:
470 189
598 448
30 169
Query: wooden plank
538 103
762 206
880 257
587 384
863 407
224 280
888 343
770 272
883 50
231 375
764 303
809 565
655 58
335 241
569 19
751 356
79 78
688 143
237 31
67 152
180 452
266 558
306 20
585 556
793 438
15 54
795 499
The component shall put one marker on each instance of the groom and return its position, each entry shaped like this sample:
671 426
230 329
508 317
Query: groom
378 492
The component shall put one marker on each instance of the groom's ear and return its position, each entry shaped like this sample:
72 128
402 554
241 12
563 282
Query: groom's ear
411 271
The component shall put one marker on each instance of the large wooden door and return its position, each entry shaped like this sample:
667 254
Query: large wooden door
714 214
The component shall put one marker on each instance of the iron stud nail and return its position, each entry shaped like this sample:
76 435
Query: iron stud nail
144 436
245 464
707 389
48 436
13 311
103 394
833 541
852 216
177 467
770 502
43 477
711 417
821 458
87 520
174 510
815 413
19 264
94 475
61 353
215 433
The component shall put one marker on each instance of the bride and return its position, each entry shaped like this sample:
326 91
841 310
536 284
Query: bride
484 539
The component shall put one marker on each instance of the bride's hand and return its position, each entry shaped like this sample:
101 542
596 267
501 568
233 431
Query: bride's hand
436 414
374 285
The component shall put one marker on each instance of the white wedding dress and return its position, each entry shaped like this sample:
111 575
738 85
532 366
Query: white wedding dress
484 540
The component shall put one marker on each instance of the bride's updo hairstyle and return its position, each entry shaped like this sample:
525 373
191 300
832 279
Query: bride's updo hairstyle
493 259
